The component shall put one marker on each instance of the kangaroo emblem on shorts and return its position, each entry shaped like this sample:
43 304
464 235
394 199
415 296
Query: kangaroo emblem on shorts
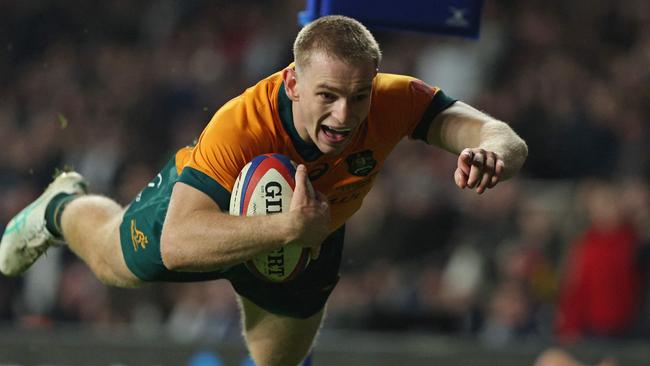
138 238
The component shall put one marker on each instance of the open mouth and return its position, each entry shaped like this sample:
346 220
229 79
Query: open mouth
335 134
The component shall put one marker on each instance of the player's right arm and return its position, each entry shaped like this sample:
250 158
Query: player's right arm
489 150
198 237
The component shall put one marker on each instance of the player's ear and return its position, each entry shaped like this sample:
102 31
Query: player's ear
290 83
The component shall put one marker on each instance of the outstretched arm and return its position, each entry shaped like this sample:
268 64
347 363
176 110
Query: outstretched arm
489 150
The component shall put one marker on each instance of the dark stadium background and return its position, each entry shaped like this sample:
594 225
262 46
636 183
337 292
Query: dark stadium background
431 273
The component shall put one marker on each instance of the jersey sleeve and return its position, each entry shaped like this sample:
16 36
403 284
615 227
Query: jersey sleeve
438 103
227 143
409 103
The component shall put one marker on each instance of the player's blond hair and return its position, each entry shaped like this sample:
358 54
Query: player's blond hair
338 36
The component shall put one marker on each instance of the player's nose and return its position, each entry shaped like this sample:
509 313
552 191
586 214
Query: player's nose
341 110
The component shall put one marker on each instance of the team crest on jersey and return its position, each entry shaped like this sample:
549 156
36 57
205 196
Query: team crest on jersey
361 163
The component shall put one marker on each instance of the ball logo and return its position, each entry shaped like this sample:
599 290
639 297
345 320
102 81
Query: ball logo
273 195
273 200
275 263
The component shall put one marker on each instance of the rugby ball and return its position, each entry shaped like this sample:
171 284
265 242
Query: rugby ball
265 187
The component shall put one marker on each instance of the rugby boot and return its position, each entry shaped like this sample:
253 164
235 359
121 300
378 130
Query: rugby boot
26 236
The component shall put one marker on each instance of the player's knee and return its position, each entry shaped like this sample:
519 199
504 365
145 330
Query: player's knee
102 272
555 357
110 276
283 356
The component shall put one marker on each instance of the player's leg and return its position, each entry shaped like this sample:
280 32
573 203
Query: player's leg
63 213
90 226
276 340
559 357
122 246
281 320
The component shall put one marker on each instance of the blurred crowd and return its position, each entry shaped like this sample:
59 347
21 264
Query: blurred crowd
559 253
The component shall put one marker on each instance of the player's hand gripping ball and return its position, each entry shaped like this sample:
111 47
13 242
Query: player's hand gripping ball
265 187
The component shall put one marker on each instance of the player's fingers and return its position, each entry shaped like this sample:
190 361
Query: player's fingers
477 167
488 172
498 170
490 163
474 177
460 178
311 193
482 186
465 160
300 190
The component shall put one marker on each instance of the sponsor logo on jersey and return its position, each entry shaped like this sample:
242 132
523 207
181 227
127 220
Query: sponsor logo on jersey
361 163
318 171
138 238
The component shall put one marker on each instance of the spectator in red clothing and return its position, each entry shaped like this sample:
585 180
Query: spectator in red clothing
601 290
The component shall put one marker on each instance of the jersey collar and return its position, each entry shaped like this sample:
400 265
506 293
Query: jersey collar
309 152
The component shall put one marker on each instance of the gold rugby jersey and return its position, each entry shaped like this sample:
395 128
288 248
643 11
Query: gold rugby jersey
260 121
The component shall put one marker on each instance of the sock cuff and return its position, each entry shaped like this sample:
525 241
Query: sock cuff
54 211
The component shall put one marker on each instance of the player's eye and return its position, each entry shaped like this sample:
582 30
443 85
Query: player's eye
327 97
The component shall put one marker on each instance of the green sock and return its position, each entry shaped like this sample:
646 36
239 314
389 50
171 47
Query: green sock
54 211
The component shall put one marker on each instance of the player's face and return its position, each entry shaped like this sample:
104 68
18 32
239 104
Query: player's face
333 101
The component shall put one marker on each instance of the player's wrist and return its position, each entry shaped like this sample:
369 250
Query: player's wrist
288 227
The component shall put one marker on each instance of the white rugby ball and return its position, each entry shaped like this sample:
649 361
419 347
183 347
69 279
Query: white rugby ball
265 187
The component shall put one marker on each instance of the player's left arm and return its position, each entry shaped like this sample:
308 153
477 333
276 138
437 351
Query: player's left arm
489 150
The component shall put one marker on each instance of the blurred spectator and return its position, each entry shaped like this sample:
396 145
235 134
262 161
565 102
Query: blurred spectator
600 294
635 201
508 316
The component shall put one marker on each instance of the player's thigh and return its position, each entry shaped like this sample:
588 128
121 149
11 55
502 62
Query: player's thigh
115 263
277 339
91 228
